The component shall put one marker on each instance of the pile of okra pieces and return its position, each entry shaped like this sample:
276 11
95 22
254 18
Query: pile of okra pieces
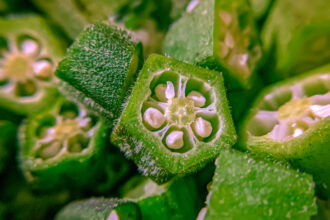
165 109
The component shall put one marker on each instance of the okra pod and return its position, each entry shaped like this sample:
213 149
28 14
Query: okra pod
220 35
290 120
99 70
176 120
248 187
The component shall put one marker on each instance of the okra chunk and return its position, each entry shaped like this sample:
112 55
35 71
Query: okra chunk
220 35
67 140
290 120
29 52
100 208
245 186
176 119
99 70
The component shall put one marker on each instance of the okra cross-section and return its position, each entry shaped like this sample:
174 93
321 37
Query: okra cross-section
176 119
100 68
245 186
29 52
220 35
64 147
291 120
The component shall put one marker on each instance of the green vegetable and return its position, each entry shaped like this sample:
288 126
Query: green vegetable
29 51
99 70
7 142
177 199
247 187
290 120
176 120
66 147
220 35
100 209
296 37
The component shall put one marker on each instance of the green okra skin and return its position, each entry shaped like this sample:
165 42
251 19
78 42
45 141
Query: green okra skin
99 209
176 120
323 212
293 43
249 187
65 147
220 35
261 8
29 52
290 120
7 142
100 68
177 199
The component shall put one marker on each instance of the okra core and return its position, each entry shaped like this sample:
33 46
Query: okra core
180 111
24 67
291 112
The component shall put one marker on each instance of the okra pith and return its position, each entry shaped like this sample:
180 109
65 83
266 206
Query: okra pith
290 120
176 119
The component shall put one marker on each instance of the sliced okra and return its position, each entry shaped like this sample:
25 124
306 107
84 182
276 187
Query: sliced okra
220 35
291 120
294 43
7 142
258 188
63 147
29 51
100 208
176 120
99 69
166 201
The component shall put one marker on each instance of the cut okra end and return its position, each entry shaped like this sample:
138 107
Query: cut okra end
179 114
290 120
28 56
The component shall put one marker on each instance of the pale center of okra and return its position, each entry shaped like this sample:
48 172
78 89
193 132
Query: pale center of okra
173 115
237 48
67 135
293 118
23 68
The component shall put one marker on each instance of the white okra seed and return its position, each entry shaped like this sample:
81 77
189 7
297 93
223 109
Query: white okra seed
160 91
30 47
202 127
175 140
321 111
51 150
153 117
229 40
225 17
43 69
170 93
198 99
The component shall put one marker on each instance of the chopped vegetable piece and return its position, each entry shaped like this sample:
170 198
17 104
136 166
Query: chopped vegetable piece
247 187
220 35
100 208
167 127
99 70
29 51
290 120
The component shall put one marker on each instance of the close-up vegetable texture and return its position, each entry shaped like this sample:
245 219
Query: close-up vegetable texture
164 109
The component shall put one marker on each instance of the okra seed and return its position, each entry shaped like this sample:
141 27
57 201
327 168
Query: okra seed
160 91
202 127
170 93
229 40
198 99
321 111
153 117
225 17
297 132
30 47
223 50
50 150
113 215
43 69
175 140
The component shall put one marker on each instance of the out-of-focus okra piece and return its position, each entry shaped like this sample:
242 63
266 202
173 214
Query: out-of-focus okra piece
290 120
29 52
296 37
248 187
176 120
177 199
66 147
323 210
220 35
261 8
7 142
100 68
99 209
